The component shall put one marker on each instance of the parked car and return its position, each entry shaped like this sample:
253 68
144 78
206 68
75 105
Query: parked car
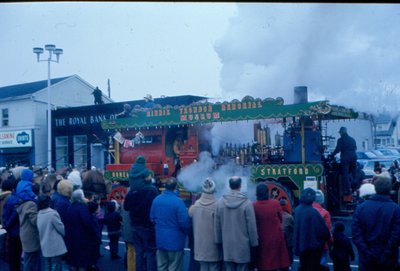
365 155
390 152
381 155
369 165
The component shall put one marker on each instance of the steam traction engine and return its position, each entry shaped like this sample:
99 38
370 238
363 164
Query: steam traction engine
171 138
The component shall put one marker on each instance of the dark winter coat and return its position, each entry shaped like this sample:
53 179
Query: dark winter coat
342 250
310 230
138 204
61 206
272 250
376 230
171 219
10 215
126 227
82 236
54 198
347 147
137 175
113 221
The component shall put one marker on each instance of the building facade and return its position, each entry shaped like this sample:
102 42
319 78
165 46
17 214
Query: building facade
23 107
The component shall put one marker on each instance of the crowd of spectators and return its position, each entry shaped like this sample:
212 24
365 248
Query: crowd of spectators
52 221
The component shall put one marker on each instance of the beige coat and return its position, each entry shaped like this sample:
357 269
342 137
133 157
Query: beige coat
51 232
203 221
28 230
236 227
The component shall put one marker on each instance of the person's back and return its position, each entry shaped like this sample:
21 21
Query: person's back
81 231
24 186
11 224
61 205
138 174
310 232
113 220
206 251
317 204
287 227
170 230
236 227
27 213
342 251
272 250
376 228
51 233
138 204
171 219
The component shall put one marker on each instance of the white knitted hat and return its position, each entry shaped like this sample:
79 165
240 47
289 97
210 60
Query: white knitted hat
75 177
208 186
367 189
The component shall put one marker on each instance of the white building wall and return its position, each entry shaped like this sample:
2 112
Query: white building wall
30 112
360 129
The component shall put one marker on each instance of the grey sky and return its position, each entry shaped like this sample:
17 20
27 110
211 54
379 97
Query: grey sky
156 48
346 53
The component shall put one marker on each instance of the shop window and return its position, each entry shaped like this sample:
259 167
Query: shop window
80 151
4 117
61 152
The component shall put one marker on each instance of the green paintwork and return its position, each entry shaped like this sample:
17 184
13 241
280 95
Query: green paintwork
296 173
247 109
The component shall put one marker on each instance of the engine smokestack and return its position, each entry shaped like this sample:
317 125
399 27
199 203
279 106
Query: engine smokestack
300 95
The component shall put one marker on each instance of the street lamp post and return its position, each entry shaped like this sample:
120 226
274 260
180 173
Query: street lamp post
51 48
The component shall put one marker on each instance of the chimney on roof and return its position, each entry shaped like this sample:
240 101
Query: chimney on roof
300 95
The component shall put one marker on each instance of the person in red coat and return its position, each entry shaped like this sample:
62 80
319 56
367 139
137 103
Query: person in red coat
272 252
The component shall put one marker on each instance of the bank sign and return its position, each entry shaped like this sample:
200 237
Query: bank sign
16 139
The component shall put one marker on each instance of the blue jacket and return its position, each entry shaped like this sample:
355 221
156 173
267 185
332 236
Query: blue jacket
310 230
376 230
10 216
24 187
171 219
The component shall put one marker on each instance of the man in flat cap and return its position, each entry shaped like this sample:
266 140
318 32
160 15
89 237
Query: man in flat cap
347 147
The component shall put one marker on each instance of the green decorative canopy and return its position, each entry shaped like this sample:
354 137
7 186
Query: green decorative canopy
247 109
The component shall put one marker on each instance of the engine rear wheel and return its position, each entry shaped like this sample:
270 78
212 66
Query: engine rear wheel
278 191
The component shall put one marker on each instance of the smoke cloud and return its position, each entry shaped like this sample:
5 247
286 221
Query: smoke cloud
345 53
193 176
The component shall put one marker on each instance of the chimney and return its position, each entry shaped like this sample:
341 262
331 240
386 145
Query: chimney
300 95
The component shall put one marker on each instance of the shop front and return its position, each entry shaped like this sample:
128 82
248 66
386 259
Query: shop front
16 148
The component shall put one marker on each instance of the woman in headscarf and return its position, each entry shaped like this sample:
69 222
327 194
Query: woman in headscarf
272 251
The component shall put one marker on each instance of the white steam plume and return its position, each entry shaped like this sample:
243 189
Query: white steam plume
193 176
345 53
